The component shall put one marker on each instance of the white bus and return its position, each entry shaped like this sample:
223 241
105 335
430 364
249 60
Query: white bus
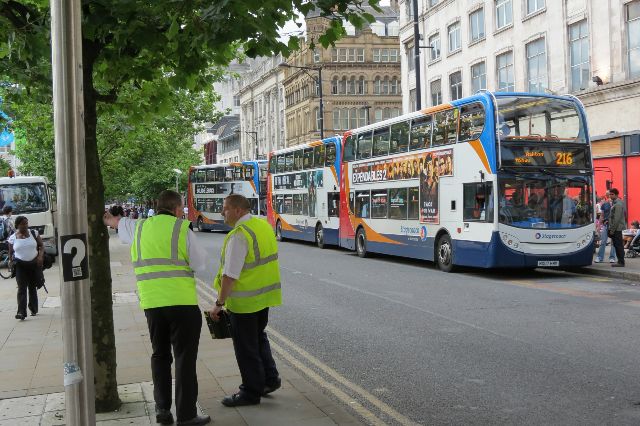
304 192
210 184
31 196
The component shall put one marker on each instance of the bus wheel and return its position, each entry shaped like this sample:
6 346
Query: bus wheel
199 224
319 236
444 253
361 243
279 231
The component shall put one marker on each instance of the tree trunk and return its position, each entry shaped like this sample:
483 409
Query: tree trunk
104 344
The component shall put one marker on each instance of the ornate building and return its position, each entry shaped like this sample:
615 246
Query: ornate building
360 79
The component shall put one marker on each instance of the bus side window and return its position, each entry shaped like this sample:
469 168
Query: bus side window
288 162
381 142
472 119
349 149
318 156
280 165
477 201
331 155
420 133
297 160
414 203
364 145
445 127
399 137
363 204
308 158
272 164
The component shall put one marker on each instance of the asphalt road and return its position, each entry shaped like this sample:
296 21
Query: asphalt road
475 347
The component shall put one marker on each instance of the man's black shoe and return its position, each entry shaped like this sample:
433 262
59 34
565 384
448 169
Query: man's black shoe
164 416
21 317
272 387
237 400
197 420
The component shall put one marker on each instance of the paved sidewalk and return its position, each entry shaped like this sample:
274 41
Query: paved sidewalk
31 390
631 270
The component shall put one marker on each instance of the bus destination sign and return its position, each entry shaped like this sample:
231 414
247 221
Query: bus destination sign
546 156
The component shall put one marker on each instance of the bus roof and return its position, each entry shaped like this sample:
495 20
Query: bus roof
336 138
23 179
236 164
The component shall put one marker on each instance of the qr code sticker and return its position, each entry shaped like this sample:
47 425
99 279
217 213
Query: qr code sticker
76 272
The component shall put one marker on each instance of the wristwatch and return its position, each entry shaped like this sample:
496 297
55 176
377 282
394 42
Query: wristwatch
220 304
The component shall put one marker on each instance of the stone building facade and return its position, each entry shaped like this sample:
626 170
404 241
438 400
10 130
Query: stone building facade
589 48
360 79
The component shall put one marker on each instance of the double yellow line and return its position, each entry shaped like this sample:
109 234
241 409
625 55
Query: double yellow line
327 378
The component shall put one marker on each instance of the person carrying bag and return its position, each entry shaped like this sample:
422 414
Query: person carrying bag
26 255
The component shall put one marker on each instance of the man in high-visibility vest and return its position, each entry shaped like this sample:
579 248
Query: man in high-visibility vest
165 254
248 284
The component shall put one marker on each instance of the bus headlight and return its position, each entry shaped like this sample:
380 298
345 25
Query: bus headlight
509 240
584 240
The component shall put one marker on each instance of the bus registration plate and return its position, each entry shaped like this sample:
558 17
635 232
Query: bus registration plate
548 263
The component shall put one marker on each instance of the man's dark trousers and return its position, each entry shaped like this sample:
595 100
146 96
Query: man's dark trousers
253 352
618 244
177 326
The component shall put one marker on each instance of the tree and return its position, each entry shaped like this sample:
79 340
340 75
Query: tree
155 47
4 167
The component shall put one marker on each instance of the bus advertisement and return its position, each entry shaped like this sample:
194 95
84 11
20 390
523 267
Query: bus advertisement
490 181
303 192
210 184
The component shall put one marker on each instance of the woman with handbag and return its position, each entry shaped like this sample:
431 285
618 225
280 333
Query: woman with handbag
26 254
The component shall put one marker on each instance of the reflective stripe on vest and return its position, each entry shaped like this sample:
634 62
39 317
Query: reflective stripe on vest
256 251
174 261
240 294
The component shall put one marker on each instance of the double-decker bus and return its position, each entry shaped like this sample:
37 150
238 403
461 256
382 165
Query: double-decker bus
210 184
491 180
304 191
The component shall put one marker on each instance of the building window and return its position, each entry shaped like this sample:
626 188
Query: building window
385 86
434 43
504 13
633 37
476 25
454 37
433 3
579 53
316 56
412 100
408 9
411 63
455 84
504 65
478 77
436 92
385 55
236 101
534 6
537 66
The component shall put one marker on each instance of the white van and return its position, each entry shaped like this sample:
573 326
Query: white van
31 196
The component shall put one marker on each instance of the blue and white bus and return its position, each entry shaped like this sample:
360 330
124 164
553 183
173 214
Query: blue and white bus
492 180
210 184
304 191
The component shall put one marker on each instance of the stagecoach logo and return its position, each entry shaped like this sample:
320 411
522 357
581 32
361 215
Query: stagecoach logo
423 233
540 236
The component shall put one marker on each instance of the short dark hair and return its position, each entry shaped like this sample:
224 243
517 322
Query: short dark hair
169 200
238 201
7 209
614 191
20 219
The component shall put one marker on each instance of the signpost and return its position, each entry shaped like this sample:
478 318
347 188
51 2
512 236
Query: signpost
72 211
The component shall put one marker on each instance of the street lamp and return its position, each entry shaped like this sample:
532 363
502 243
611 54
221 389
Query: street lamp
255 140
318 82
178 172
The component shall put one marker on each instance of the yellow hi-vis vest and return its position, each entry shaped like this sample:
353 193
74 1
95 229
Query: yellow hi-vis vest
258 286
161 262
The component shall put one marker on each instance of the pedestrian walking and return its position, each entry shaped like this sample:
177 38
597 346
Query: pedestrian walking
165 254
605 211
248 284
617 224
26 254
8 226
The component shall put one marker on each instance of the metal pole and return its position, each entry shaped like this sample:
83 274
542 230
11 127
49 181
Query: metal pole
66 43
321 103
416 53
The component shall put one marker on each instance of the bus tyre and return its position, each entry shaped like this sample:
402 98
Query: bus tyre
361 243
319 236
444 253
279 231
199 224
